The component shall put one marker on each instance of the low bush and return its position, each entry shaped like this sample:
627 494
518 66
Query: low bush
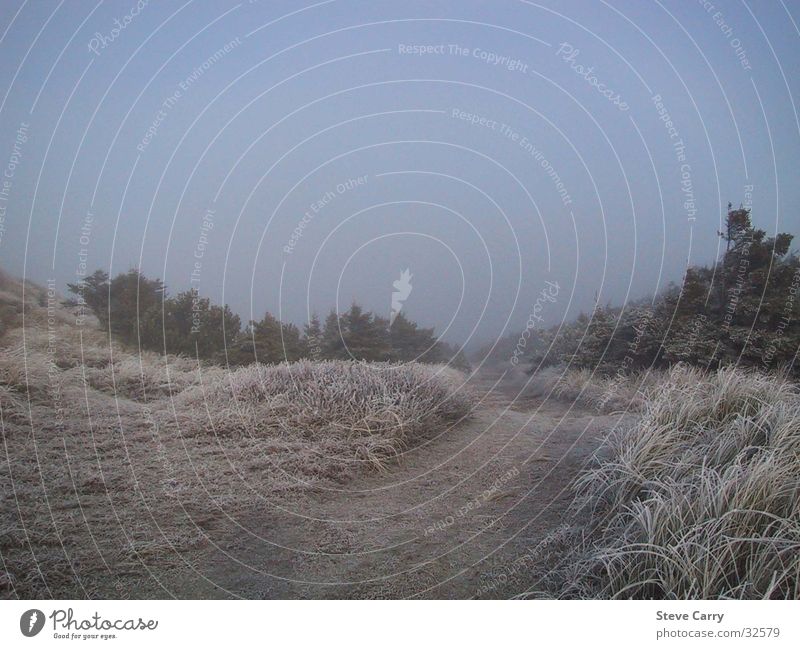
362 411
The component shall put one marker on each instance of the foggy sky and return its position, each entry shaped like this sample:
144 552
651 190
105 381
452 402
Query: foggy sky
295 157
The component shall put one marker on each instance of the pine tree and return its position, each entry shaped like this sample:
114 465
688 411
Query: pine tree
266 340
365 336
332 341
92 292
313 338
408 342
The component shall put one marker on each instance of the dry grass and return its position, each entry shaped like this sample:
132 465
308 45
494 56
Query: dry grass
606 394
700 499
344 411
116 467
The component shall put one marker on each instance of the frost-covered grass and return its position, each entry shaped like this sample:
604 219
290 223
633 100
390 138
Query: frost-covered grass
618 392
698 500
114 464
344 412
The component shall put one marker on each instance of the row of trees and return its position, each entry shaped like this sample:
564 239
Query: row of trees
139 311
355 334
745 310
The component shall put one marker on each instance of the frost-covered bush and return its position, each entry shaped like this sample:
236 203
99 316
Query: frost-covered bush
364 410
701 498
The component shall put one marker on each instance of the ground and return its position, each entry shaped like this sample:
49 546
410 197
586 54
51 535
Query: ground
460 517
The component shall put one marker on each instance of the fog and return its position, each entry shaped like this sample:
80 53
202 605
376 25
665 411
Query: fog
292 159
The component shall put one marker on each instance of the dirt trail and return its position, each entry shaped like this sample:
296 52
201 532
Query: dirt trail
456 518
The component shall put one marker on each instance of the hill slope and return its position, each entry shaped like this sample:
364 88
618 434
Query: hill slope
114 462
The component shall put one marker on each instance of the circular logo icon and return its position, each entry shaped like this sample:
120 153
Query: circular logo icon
31 622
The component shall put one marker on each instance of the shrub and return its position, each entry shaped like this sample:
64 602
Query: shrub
348 410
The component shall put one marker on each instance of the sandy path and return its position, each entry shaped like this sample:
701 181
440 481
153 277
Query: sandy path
456 518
